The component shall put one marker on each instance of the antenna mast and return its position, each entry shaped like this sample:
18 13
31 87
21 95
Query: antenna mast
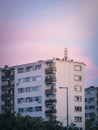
65 54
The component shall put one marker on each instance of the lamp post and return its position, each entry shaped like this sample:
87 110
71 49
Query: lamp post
66 101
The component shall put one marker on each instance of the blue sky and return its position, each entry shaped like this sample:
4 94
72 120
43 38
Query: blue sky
31 30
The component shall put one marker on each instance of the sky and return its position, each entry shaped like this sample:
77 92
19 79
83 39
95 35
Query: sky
32 30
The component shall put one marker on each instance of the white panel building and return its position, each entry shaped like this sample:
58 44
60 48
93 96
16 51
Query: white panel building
35 89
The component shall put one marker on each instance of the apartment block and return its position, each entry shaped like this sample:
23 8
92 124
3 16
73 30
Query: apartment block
35 89
91 102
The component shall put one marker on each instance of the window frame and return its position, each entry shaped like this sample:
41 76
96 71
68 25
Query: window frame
77 67
77 88
77 78
78 98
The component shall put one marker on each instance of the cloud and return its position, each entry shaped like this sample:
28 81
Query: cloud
70 26
34 34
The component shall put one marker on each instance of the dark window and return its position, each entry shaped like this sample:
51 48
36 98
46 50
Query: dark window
39 108
20 70
77 67
77 78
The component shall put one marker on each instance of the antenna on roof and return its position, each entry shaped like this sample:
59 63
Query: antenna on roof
65 53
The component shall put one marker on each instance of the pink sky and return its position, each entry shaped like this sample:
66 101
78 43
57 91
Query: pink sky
32 31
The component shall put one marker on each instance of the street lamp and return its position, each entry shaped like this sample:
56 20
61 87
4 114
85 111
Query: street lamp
66 101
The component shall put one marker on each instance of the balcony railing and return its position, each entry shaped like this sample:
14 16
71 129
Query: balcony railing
8 105
51 111
51 90
50 70
7 96
50 80
7 86
50 101
3 107
8 77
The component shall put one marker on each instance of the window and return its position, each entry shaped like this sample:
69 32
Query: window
20 80
78 88
33 68
78 108
91 99
38 99
33 78
27 79
91 107
39 108
20 70
77 67
86 107
20 110
29 89
28 69
91 114
31 99
37 67
36 88
21 100
20 90
28 99
86 114
78 98
79 128
30 109
77 78
78 119
38 78
86 99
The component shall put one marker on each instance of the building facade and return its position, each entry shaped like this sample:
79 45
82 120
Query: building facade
35 89
91 102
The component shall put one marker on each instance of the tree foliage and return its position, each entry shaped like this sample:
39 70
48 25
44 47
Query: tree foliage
73 126
91 124
13 121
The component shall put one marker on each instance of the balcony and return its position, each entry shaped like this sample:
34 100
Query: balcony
51 90
50 101
8 77
6 96
50 70
7 74
7 86
50 111
50 80
8 105
3 107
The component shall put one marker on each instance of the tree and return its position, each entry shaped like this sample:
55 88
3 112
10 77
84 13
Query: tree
91 124
55 125
72 126
7 121
14 121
